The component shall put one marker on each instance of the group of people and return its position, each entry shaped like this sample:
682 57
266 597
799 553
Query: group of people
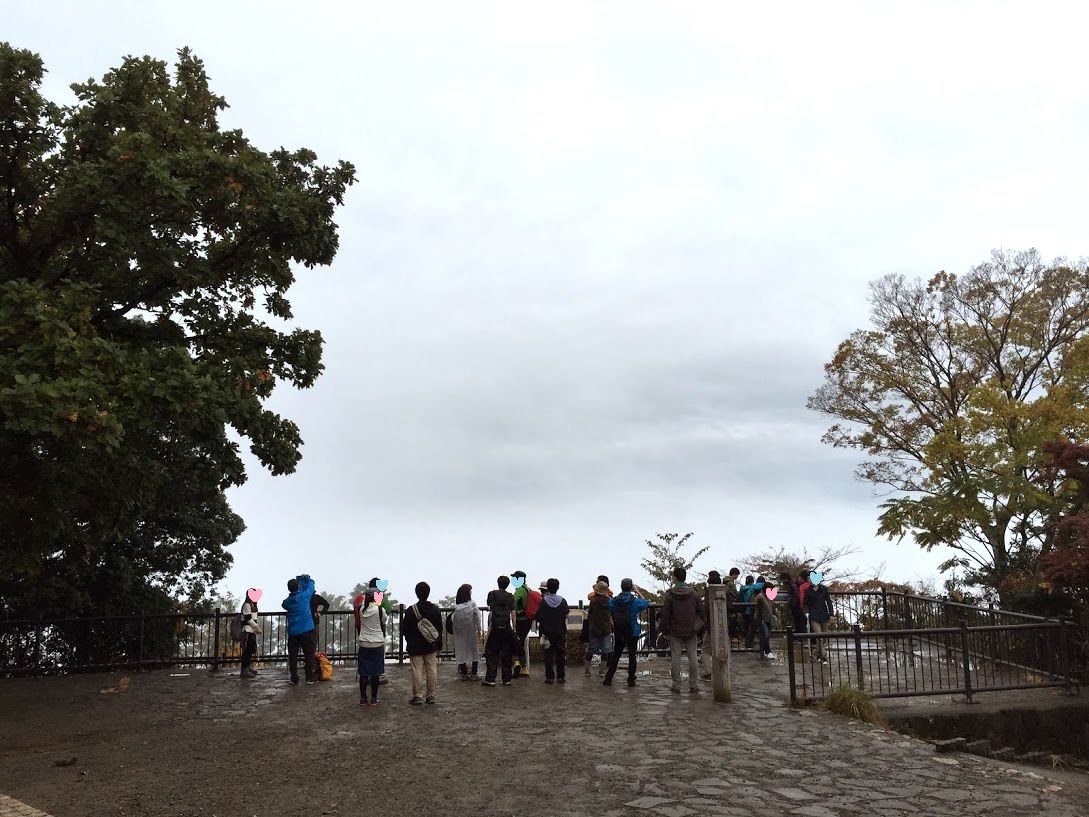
611 628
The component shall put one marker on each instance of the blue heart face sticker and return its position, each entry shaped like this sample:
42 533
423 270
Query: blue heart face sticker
517 582
382 584
816 577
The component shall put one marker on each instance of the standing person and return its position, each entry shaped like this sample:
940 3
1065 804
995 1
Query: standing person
590 651
466 623
499 643
625 610
682 622
748 595
251 629
422 627
796 602
765 615
551 619
387 606
819 606
318 606
523 623
370 636
300 628
601 625
733 596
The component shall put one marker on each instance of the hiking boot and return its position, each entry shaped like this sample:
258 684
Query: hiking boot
416 700
517 670
524 673
487 683
430 699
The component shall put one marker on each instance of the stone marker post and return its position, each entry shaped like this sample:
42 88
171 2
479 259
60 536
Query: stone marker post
718 640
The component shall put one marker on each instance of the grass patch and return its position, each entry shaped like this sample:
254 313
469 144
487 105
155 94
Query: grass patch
854 704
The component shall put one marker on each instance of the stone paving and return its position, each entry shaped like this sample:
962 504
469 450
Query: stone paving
578 750
13 808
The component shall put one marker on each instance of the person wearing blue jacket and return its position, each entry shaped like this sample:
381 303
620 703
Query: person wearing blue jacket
300 628
748 598
626 630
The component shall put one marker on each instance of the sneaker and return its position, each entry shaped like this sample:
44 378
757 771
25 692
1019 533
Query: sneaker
310 682
363 702
549 681
506 683
251 672
375 702
487 683
769 655
561 680
294 682
416 700
430 699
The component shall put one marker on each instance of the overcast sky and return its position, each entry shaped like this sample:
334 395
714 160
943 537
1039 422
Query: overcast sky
599 253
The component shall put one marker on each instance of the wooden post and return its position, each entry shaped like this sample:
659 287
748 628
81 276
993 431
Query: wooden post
719 642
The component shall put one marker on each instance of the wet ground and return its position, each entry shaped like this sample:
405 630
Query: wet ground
190 743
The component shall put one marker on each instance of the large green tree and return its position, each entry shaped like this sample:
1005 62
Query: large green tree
952 393
145 257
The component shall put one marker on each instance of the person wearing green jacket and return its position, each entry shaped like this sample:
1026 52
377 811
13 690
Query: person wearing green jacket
523 623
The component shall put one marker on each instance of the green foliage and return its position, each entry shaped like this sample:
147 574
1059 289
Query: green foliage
854 703
772 563
140 245
952 394
666 553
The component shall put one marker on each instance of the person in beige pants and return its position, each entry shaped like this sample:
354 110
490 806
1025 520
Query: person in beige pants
422 629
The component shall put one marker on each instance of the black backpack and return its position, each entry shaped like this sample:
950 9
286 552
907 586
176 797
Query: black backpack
622 616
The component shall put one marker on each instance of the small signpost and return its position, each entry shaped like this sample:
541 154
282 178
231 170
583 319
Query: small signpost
719 642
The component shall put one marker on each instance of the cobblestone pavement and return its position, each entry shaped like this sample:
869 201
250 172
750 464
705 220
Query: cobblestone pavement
13 808
197 744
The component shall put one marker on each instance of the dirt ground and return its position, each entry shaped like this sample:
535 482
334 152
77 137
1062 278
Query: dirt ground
186 742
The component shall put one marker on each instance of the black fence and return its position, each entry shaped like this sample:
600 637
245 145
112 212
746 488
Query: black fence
928 661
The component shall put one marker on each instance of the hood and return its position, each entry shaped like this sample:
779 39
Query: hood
372 610
553 600
464 605
682 592
625 597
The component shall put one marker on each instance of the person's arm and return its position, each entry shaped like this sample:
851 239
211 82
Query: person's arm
320 604
666 618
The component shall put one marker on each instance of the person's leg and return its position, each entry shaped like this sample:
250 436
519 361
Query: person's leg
431 668
818 627
614 660
293 647
675 647
463 671
249 648
364 682
750 630
415 664
692 645
560 646
765 638
522 628
549 661
633 659
308 655
491 658
375 679
475 675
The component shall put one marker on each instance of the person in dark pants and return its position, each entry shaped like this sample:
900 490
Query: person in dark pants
625 610
797 602
318 606
552 620
499 645
522 625
300 628
251 628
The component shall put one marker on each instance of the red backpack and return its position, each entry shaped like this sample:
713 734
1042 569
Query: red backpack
533 602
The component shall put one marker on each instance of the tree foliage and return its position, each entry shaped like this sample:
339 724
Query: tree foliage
829 560
666 553
145 256
952 393
1066 566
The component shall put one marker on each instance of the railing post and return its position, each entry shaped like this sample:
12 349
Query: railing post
885 607
964 659
857 629
215 644
1064 657
790 664
400 634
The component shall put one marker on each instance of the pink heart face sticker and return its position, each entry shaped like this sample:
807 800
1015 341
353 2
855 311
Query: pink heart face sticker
254 594
378 597
771 594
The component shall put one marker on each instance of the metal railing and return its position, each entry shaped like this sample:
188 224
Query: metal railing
928 661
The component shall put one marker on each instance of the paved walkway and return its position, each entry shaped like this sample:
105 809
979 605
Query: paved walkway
13 808
579 750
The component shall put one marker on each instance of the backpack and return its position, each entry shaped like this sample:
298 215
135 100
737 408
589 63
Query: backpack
325 667
622 616
427 630
533 603
234 626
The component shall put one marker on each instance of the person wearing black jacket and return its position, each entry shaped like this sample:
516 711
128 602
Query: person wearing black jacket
318 605
423 652
500 640
552 621
819 606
